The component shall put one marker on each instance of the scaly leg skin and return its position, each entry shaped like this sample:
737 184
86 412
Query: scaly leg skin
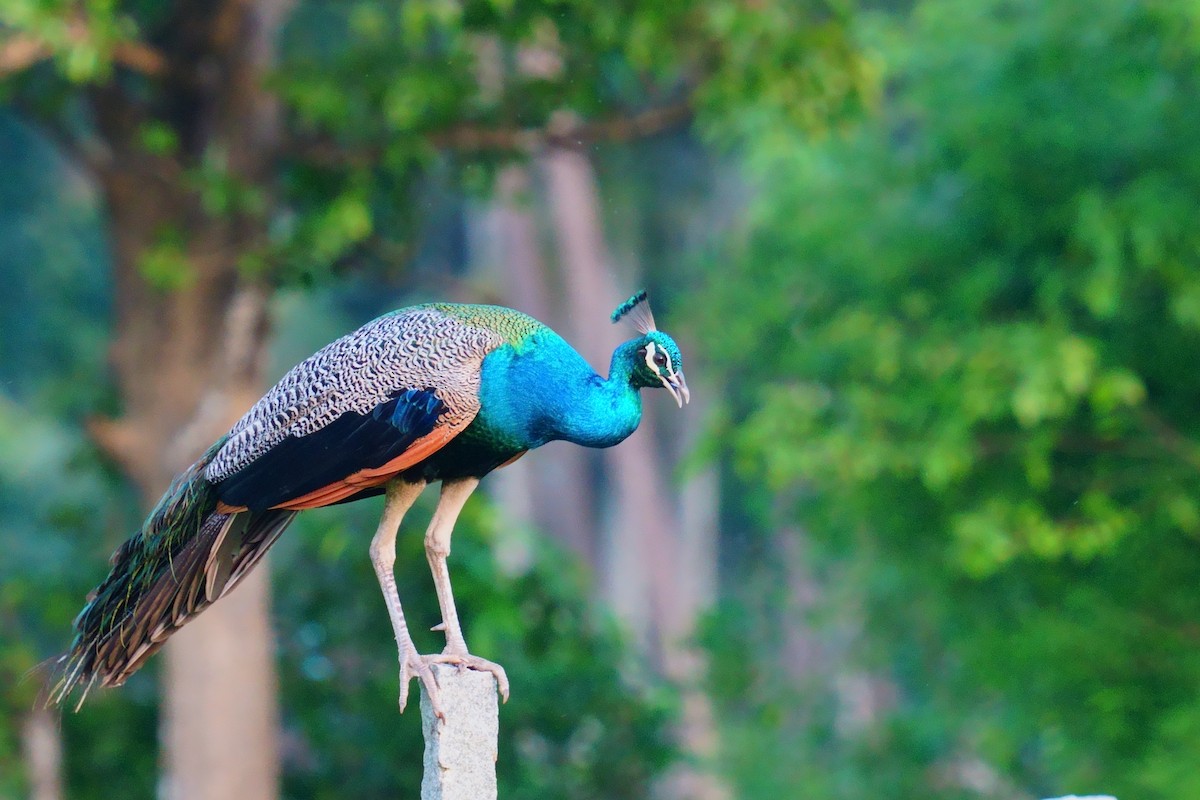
400 497
437 548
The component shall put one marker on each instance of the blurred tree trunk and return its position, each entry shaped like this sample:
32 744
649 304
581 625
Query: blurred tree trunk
42 754
187 362
187 358
648 581
635 546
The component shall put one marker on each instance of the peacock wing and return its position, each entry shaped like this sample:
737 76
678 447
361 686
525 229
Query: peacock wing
353 452
361 409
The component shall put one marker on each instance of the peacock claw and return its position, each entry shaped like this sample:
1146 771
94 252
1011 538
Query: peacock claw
468 661
414 665
418 666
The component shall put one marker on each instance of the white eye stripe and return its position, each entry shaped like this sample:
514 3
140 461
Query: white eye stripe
651 351
650 360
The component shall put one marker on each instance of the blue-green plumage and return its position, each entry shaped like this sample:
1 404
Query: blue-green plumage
539 391
440 392
546 391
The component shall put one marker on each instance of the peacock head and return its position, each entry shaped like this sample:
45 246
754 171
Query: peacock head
655 356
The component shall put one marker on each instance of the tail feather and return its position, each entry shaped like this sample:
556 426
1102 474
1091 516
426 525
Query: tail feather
185 557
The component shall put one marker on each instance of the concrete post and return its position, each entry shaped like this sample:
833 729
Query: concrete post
460 754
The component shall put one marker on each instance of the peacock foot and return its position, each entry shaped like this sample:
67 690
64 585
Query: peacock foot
465 660
415 665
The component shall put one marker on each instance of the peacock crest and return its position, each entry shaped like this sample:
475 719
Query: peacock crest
637 308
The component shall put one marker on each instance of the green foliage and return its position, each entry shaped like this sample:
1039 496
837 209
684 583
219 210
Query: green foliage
783 66
957 337
110 746
61 511
375 92
164 263
80 36
984 340
54 337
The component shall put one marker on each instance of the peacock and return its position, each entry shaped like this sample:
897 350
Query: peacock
435 392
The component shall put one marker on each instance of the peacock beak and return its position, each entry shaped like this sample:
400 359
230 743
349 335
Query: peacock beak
678 387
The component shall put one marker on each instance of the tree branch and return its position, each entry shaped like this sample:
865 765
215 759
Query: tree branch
1171 439
139 57
562 131
22 51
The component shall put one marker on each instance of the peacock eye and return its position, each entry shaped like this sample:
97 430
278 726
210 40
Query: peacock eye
660 359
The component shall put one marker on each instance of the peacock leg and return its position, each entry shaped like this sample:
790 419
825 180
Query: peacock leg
400 497
437 549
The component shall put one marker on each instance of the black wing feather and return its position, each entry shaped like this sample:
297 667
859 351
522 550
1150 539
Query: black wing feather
352 442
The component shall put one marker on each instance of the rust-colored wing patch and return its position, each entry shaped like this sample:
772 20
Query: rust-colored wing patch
367 478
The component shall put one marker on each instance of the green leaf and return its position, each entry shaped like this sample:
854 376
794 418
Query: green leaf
164 264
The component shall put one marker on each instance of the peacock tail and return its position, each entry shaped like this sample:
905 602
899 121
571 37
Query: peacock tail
185 556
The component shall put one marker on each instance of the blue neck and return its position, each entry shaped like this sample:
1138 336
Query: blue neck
608 410
547 392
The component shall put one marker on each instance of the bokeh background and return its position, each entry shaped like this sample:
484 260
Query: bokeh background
930 528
